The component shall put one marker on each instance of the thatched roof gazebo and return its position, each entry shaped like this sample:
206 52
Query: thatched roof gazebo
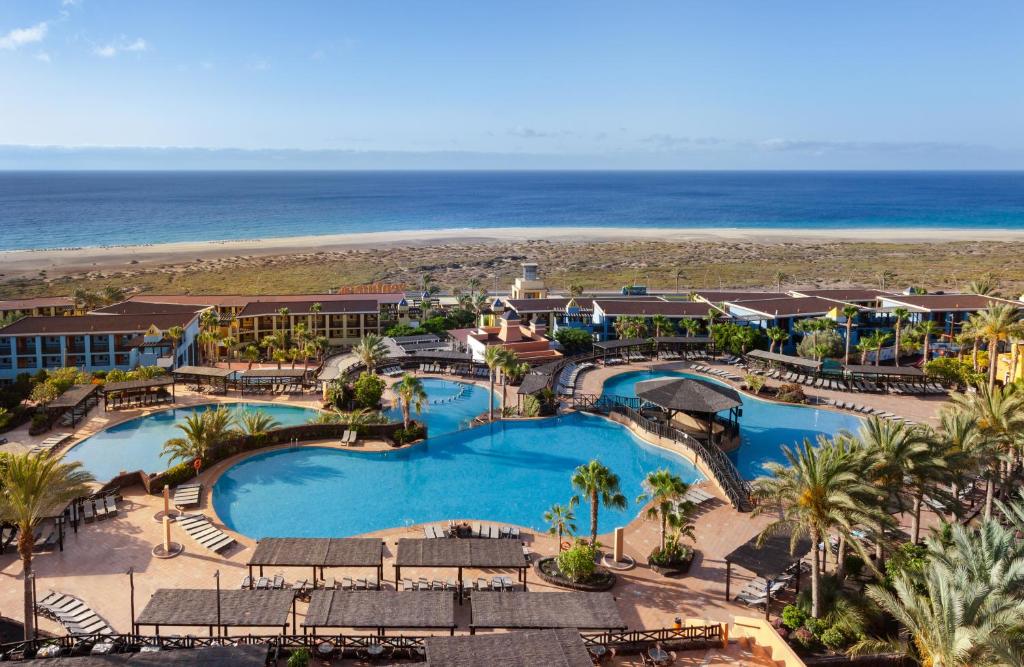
697 398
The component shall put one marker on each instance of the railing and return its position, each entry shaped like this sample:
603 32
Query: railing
412 647
713 458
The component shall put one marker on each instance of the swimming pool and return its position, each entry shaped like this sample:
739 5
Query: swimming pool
764 426
508 472
451 405
136 444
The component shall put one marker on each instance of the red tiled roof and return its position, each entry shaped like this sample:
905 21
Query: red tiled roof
89 324
848 295
143 308
240 300
718 296
948 302
36 302
258 308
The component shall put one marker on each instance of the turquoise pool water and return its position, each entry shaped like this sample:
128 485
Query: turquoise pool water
764 426
506 472
135 444
450 407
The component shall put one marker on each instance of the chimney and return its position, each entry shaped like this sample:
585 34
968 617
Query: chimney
510 331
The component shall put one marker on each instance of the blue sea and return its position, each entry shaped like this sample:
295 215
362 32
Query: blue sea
77 209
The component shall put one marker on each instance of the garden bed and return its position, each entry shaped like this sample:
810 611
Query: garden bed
675 569
547 570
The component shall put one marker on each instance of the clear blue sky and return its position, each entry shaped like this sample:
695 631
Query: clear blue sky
619 84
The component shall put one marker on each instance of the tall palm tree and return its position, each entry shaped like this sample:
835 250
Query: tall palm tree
371 351
850 313
873 343
598 484
996 324
661 324
666 490
175 333
411 396
927 329
984 285
964 449
819 489
561 520
256 422
777 336
779 278
998 413
900 316
690 325
202 433
315 309
511 368
494 356
884 277
31 488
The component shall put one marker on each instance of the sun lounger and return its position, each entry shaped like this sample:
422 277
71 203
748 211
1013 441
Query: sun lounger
407 585
199 528
752 599
278 582
262 584
187 495
88 514
111 505
353 436
76 617
344 436
246 582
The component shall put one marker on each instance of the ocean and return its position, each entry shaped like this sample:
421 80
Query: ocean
78 209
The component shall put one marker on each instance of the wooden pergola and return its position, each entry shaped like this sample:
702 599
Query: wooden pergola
319 553
77 400
548 610
767 560
199 607
697 398
211 376
380 610
476 554
134 393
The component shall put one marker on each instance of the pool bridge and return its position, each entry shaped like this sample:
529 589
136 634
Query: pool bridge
714 460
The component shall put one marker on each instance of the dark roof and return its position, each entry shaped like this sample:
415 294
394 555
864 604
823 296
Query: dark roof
497 554
787 306
146 308
36 302
620 343
770 559
718 296
655 307
423 345
422 338
211 656
907 371
325 552
274 373
695 340
529 648
851 295
74 396
583 611
289 300
947 302
547 305
784 359
260 308
448 355
533 383
380 609
688 394
129 385
87 324
198 606
203 371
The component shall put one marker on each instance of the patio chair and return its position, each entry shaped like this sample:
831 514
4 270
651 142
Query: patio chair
278 583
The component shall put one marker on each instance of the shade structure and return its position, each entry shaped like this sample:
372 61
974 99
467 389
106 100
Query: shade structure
761 355
182 607
211 656
533 611
461 554
533 383
528 648
73 397
620 344
688 395
275 373
901 371
767 560
202 372
381 610
318 552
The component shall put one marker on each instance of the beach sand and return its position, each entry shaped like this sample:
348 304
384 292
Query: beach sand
587 254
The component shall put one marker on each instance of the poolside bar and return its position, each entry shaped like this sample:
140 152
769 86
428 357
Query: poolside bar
319 553
197 607
380 610
538 611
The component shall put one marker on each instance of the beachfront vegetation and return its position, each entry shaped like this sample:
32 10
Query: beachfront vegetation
30 487
597 484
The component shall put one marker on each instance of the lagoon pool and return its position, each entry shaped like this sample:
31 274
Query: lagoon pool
764 426
508 472
451 405
136 444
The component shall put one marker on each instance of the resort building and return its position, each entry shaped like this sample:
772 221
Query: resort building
870 298
784 312
607 311
97 342
529 342
530 285
44 306
949 310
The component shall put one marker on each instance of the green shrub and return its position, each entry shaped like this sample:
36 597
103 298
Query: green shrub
39 420
791 393
804 638
853 565
754 383
909 558
833 639
178 474
406 435
404 330
577 563
950 370
793 617
574 341
531 406
299 658
815 625
368 389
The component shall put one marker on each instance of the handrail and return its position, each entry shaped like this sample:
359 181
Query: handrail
715 460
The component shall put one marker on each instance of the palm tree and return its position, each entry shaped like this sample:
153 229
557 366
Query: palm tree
849 312
900 316
661 324
665 490
984 285
998 413
995 324
315 309
493 356
31 486
561 520
777 336
575 289
203 432
779 278
411 396
963 447
251 354
280 356
884 277
598 484
510 368
926 330
175 333
875 342
256 423
820 489
371 351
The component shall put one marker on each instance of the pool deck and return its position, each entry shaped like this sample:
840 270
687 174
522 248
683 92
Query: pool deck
95 560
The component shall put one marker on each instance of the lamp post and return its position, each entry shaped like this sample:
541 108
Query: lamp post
131 588
216 575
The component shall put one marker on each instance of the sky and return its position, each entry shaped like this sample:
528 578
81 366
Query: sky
566 84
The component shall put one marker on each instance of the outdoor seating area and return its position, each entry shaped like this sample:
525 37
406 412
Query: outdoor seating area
460 555
224 609
74 615
537 611
187 495
204 379
277 381
204 533
774 563
74 404
568 376
49 443
521 649
138 393
702 368
380 611
320 554
865 410
474 530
